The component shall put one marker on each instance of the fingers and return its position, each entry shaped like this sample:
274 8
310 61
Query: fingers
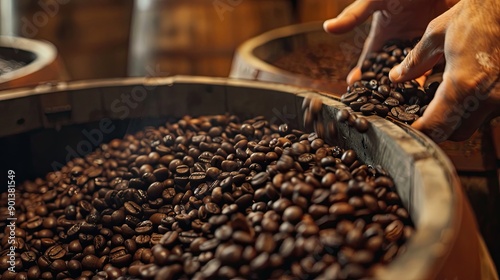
453 114
354 75
439 119
422 58
373 42
352 16
427 53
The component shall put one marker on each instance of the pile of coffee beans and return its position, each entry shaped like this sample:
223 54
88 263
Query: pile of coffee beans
7 66
376 94
208 198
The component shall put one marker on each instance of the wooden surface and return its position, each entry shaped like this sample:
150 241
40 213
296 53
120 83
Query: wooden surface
92 36
198 37
477 161
313 10
444 246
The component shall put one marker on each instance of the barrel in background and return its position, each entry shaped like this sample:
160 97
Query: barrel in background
256 59
28 62
197 37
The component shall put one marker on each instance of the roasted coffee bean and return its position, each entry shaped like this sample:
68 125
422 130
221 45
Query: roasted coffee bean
132 208
407 117
341 209
265 243
155 190
394 230
412 109
34 223
395 111
56 252
144 227
260 178
169 238
362 125
356 105
285 163
367 109
292 214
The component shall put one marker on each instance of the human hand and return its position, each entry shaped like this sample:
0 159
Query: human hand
392 19
468 36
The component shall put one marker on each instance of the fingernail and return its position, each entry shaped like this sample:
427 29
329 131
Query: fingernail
396 72
328 22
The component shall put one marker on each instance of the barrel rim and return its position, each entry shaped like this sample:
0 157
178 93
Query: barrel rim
246 58
248 47
44 51
426 233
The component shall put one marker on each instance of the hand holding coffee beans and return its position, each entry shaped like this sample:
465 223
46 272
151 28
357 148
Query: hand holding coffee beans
375 94
209 198
470 91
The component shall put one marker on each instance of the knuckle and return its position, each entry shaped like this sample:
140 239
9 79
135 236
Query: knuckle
434 31
411 59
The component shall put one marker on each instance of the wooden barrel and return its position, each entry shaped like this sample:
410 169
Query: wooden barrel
92 36
198 37
258 58
36 61
446 244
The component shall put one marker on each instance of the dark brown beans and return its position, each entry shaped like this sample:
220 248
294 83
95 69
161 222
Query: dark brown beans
210 197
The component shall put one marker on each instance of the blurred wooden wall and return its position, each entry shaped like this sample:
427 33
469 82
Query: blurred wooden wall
199 37
92 36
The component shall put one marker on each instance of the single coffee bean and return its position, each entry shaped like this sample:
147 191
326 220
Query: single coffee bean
367 109
292 214
341 208
407 117
265 243
231 254
132 208
260 179
412 109
56 252
362 125
394 230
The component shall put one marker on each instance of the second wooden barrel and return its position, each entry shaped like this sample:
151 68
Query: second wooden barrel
26 62
197 37
287 55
